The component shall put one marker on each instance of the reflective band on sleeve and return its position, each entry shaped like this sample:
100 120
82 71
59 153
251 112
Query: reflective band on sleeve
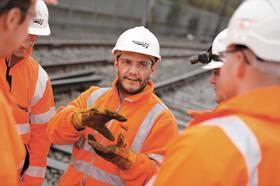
245 141
95 95
157 157
87 147
151 182
96 173
40 86
43 117
145 127
35 171
23 128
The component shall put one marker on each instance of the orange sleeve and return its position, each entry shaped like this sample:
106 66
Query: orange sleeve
203 155
11 146
153 151
39 143
60 129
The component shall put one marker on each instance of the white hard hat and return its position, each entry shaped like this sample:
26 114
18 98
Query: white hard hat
139 40
217 47
39 25
256 24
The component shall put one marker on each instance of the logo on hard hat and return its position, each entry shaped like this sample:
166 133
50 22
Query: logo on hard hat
39 21
143 44
246 23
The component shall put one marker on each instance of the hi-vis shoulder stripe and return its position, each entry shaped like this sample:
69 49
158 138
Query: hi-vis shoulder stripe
40 86
157 157
35 171
23 128
146 126
43 117
245 141
96 173
95 95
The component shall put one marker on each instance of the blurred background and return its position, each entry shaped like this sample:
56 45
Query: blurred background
77 55
194 19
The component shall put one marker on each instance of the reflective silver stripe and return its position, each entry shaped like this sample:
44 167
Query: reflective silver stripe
96 173
40 86
23 128
151 182
245 141
87 147
43 117
157 157
95 95
146 126
35 171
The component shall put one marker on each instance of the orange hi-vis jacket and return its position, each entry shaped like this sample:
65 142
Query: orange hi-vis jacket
31 89
237 144
151 127
11 147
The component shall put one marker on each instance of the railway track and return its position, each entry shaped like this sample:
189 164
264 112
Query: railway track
64 55
51 44
66 65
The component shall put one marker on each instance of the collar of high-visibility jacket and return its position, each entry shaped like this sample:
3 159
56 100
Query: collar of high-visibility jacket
148 90
13 60
260 99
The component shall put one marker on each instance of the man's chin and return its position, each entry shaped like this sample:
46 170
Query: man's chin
18 55
131 90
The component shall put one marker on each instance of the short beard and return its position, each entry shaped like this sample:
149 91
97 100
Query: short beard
140 89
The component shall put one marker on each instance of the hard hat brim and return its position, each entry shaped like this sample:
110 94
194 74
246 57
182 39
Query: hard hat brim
213 65
39 31
140 52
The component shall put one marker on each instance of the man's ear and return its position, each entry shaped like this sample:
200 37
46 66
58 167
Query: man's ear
154 67
12 19
240 64
116 63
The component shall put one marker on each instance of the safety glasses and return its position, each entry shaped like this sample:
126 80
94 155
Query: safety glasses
140 65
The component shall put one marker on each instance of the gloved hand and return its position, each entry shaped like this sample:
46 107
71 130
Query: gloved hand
119 154
95 119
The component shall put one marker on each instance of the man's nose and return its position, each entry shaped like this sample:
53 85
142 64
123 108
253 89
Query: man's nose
212 79
133 68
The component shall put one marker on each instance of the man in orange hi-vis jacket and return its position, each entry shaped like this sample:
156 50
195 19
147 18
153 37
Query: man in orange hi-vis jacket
239 143
146 127
13 29
214 63
31 89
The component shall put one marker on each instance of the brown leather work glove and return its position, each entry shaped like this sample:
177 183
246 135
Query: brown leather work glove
96 119
119 154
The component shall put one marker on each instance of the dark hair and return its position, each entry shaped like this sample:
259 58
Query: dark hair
242 47
23 5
